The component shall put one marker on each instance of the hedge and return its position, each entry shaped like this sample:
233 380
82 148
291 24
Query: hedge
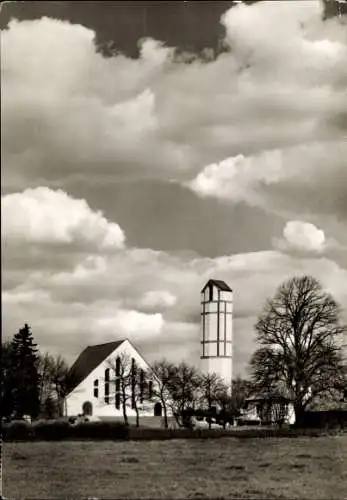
258 432
60 430
329 419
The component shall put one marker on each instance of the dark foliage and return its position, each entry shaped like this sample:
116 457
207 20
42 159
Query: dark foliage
52 431
21 376
330 419
61 430
6 407
18 431
101 430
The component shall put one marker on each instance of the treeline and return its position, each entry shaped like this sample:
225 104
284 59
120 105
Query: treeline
179 388
36 384
32 383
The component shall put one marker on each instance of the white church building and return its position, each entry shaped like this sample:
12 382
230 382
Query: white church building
96 383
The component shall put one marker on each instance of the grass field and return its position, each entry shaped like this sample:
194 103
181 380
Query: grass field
305 468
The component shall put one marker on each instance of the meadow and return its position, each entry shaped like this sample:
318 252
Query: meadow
254 468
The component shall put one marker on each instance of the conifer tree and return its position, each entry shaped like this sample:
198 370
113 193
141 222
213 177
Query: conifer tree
6 407
24 378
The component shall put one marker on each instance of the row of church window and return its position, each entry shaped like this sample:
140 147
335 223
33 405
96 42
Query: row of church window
118 385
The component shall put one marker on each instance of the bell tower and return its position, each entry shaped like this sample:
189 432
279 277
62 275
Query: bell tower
217 329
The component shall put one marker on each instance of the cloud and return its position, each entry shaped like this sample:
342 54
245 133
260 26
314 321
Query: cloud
295 180
45 216
130 323
299 235
237 178
158 299
68 111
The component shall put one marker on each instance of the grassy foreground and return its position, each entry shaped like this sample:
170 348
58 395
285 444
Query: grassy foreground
305 468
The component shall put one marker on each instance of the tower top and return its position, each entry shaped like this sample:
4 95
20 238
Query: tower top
219 284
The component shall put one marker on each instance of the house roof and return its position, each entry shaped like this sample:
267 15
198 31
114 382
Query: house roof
88 360
219 284
266 396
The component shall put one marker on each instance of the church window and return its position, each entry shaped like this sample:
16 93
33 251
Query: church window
118 366
117 400
96 388
150 389
142 385
107 386
117 393
133 383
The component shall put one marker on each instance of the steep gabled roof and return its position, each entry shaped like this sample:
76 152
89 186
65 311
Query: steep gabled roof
219 284
88 360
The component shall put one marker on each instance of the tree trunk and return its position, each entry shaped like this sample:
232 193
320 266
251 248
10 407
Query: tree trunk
166 424
299 414
177 418
137 415
125 416
124 402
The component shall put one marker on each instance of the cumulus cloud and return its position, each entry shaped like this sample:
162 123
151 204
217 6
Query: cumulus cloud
43 215
132 323
304 236
158 299
291 180
69 111
237 178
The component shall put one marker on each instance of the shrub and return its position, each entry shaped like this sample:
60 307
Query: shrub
100 430
17 431
181 433
257 432
329 419
52 430
58 430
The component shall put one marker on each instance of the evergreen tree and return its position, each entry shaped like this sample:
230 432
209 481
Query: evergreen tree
6 407
24 378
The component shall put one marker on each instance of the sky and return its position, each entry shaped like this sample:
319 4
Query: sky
130 178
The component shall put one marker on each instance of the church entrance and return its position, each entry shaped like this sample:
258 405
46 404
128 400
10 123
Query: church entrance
87 408
157 410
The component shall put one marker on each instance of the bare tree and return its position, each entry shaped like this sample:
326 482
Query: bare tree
241 390
121 368
211 389
141 389
162 375
60 380
231 404
183 388
44 364
297 334
54 381
133 385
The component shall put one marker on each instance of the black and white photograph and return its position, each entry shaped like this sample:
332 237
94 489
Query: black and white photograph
174 249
